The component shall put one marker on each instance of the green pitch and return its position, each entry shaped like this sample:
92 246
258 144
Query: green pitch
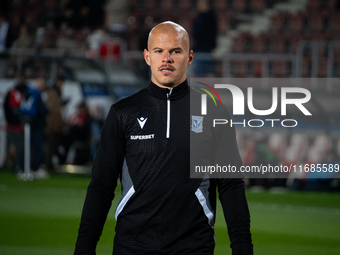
42 217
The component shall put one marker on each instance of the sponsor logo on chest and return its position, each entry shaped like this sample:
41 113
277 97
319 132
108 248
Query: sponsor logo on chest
141 121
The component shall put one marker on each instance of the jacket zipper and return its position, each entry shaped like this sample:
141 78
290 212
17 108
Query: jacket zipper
168 114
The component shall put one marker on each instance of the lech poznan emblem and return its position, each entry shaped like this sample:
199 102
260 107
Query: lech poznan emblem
197 124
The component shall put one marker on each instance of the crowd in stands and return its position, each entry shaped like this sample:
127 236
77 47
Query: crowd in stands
75 25
50 24
51 134
318 21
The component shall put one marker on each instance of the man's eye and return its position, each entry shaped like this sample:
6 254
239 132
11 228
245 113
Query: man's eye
176 51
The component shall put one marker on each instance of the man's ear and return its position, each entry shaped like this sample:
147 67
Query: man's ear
146 56
191 57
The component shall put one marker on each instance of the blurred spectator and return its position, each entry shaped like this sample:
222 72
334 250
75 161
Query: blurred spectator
7 35
204 35
26 38
149 23
25 41
53 13
94 40
66 40
4 29
34 112
84 13
78 134
55 122
13 117
40 84
117 15
71 12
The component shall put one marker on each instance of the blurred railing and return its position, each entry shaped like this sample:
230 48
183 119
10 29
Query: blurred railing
313 59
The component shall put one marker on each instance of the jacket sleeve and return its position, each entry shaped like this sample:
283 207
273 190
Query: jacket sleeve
231 191
106 169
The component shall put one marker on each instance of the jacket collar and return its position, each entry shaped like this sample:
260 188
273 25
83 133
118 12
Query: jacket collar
161 93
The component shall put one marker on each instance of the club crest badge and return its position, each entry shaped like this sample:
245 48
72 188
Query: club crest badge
197 124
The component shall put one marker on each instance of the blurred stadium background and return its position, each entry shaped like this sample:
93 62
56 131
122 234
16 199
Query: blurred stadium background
96 46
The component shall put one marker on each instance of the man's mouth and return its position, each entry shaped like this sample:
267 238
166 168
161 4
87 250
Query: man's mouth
166 69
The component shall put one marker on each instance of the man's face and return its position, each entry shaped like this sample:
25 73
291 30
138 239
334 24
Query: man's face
168 57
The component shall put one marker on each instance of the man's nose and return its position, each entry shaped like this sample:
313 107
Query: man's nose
167 58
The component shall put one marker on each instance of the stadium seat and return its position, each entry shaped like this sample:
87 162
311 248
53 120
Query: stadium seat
277 43
240 142
267 44
315 20
221 5
323 143
280 69
185 5
331 4
335 21
150 4
258 68
248 155
295 41
277 143
296 23
299 141
239 68
167 5
336 69
313 156
239 5
249 69
258 5
258 43
326 21
306 67
276 23
286 45
248 44
110 50
223 21
291 156
238 43
286 22
337 149
313 5
322 67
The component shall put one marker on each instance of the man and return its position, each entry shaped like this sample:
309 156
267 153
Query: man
55 122
204 35
146 142
15 135
34 112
